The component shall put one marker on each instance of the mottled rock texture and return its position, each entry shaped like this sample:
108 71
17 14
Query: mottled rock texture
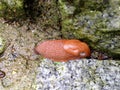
96 22
80 74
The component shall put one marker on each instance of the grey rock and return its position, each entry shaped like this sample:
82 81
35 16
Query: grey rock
81 74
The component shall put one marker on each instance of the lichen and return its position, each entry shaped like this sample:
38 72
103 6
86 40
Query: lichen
96 22
2 45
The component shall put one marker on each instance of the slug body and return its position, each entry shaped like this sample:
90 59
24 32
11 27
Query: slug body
63 50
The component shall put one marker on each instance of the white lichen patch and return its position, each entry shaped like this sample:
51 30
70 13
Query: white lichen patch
2 45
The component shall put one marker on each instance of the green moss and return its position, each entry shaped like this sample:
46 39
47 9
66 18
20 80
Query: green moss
11 9
62 9
96 5
81 35
95 23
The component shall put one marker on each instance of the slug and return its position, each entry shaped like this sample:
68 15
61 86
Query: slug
63 50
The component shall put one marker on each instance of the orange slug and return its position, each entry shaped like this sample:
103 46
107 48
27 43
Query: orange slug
63 50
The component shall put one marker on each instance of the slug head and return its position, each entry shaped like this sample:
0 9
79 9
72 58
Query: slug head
77 48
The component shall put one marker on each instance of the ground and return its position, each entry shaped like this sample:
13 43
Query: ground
27 71
24 70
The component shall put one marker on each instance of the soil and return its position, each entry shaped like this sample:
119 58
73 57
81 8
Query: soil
19 61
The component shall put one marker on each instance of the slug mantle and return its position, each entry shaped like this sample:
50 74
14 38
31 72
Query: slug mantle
63 50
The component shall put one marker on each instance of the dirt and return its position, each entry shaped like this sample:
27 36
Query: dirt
19 61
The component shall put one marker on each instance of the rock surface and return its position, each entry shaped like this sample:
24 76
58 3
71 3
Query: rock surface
81 74
95 22
18 60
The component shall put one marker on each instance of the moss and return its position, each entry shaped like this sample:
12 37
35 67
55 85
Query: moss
96 5
11 9
96 22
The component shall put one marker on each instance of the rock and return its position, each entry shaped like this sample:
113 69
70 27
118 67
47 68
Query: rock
95 22
78 75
